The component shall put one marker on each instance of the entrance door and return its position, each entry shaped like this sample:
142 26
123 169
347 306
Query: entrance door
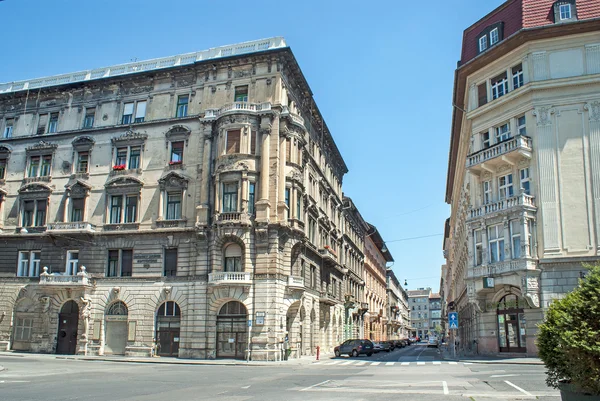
68 320
232 335
511 325
168 323
116 329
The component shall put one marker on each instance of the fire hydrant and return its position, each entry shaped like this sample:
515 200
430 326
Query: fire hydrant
318 352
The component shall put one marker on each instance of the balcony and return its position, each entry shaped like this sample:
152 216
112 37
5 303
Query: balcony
504 205
73 227
233 218
510 151
236 107
328 255
327 298
295 282
499 268
55 279
295 118
230 278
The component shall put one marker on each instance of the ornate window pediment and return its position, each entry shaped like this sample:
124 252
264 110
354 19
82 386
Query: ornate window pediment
5 151
122 185
177 133
83 143
78 189
173 180
42 147
130 138
35 190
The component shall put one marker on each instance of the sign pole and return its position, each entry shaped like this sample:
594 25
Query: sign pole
249 333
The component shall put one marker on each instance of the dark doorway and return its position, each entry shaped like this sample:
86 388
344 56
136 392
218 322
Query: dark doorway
68 320
232 335
511 325
168 323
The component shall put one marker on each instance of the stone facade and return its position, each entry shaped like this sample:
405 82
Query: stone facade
418 303
189 206
523 179
397 301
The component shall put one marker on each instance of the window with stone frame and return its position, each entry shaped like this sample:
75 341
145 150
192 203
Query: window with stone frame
170 262
182 106
515 237
232 141
9 124
72 266
28 264
82 150
23 329
33 199
75 209
230 197
123 200
525 180
251 197
5 152
127 151
120 263
176 140
134 112
496 243
173 187
478 244
517 76
505 187
88 119
241 94
503 132
232 258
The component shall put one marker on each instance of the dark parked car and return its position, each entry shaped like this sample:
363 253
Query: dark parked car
354 348
382 346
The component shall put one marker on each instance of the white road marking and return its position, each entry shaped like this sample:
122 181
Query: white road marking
503 375
390 364
423 350
445 385
420 363
375 363
467 363
346 363
245 387
361 363
333 363
405 363
315 385
437 363
518 388
452 363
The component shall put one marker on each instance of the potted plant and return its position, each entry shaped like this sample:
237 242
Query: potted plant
569 341
119 167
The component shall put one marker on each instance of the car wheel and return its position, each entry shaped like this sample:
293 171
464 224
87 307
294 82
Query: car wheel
337 353
355 353
369 354
388 350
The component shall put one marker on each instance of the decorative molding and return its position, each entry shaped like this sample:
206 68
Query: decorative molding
543 115
42 147
130 138
177 133
593 109
83 143
173 180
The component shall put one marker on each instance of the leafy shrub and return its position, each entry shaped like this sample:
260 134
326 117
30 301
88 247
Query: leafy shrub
569 339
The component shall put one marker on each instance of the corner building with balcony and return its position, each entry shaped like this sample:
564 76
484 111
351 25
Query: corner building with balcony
524 169
186 206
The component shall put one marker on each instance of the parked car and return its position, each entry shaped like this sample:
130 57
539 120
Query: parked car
381 346
433 342
354 348
392 345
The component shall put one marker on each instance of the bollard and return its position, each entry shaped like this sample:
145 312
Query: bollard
318 352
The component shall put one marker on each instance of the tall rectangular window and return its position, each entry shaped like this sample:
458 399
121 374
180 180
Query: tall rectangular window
499 86
485 140
116 207
232 142
34 166
287 202
482 43
173 205
42 123
72 263
253 142
28 213
496 243
29 264
140 112
113 263
40 212
505 187
23 329
77 207
230 193
131 208
517 76
8 128
127 113
134 157
182 106
241 94
251 198
176 153
521 126
477 236
502 132
126 262
170 262
121 159
487 192
88 120
82 162
482 94
2 169
515 235
494 36
46 163
525 180
298 205
53 123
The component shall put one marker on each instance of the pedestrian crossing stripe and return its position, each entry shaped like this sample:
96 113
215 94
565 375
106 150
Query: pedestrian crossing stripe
377 363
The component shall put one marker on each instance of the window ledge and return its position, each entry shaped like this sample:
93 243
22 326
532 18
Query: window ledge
121 227
45 178
171 167
30 230
83 176
125 172
176 223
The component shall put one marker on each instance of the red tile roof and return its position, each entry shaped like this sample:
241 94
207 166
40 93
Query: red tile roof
540 12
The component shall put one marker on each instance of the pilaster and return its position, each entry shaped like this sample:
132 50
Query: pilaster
593 109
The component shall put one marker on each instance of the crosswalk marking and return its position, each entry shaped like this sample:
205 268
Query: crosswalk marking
390 364
361 363
333 363
405 363
420 363
346 363
375 363
354 362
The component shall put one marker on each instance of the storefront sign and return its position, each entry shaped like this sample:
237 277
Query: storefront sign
488 282
147 259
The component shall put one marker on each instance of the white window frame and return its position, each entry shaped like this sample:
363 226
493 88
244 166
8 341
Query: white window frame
483 43
502 132
123 212
522 125
8 128
72 265
494 36
499 85
524 178
567 8
28 265
487 192
137 112
515 235
505 187
518 77
497 242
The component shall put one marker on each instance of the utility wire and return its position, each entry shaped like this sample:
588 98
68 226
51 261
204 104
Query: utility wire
411 238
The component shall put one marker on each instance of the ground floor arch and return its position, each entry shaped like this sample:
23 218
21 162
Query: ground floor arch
232 330
116 328
168 325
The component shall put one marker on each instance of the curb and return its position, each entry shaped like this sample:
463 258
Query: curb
494 362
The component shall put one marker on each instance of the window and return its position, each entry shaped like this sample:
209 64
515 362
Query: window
88 120
34 213
82 162
482 94
120 263
128 158
287 202
116 209
232 141
170 262
241 94
482 43
176 153
298 205
477 236
8 128
173 205
487 192
565 11
29 264
496 243
485 139
515 235
502 132
530 235
128 112
494 37
517 76
72 263
525 180
182 106
23 328
251 197
230 196
232 258
521 127
134 157
2 169
312 230
77 208
499 86
53 123
34 166
505 187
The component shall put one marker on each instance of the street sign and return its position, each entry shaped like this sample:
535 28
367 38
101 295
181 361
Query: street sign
249 322
488 282
453 320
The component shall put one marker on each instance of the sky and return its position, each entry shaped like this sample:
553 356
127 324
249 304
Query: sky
382 74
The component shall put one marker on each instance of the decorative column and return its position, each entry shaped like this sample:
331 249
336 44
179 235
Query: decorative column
593 109
161 203
244 193
281 207
263 206
524 238
202 210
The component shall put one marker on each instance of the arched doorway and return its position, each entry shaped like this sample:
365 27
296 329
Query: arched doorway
294 329
168 323
232 336
68 320
511 325
116 329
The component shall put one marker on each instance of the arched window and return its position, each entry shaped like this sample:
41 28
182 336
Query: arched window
169 308
232 258
117 309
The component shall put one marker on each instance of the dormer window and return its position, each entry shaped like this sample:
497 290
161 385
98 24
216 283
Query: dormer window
565 10
490 36
482 43
494 38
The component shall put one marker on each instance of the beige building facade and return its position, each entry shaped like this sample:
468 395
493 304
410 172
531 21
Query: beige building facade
187 206
524 175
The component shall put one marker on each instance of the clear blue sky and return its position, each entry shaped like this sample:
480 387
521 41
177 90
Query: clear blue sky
381 72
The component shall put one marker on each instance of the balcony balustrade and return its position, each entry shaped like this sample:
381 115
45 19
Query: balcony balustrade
522 200
230 278
56 279
507 266
510 151
237 107
79 226
327 298
296 119
296 282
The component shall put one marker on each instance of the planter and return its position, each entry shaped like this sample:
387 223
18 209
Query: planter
568 392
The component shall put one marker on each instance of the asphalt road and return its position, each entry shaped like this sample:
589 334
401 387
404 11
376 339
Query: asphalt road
412 373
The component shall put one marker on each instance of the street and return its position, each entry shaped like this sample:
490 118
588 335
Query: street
403 374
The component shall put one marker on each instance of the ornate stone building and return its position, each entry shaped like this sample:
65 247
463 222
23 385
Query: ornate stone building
397 302
418 303
523 173
186 206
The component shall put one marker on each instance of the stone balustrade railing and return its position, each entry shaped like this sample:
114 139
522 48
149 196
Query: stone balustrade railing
230 278
237 106
296 282
72 226
518 142
501 205
498 268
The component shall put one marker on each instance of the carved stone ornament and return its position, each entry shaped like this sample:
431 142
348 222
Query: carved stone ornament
262 234
173 180
530 288
593 109
35 189
78 189
503 167
83 143
122 185
42 147
486 176
130 138
543 115
178 133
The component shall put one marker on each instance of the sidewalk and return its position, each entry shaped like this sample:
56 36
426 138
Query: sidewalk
446 354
